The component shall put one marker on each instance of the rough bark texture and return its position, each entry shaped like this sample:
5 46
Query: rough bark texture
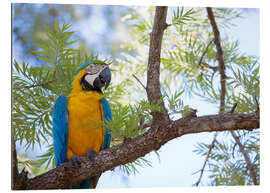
15 184
18 180
161 131
153 70
65 174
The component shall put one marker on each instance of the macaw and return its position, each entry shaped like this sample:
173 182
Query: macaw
80 121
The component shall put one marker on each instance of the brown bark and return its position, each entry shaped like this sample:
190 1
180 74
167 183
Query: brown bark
153 70
132 149
18 180
219 57
15 180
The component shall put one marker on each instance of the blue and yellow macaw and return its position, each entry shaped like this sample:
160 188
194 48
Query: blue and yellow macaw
80 118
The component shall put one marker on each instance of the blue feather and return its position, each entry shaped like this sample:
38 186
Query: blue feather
60 129
107 116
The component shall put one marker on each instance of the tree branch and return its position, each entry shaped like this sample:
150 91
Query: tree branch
66 174
18 180
206 158
15 174
247 159
221 68
201 59
139 81
220 58
35 85
153 70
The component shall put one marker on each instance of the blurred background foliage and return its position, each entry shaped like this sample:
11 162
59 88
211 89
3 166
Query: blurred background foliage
50 41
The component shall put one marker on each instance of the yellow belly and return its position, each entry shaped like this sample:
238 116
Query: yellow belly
86 130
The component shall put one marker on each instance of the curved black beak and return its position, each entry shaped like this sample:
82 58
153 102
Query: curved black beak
105 76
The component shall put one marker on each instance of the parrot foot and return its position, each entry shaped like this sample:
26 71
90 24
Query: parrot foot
91 154
76 161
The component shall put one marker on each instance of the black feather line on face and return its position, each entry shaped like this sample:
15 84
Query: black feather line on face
88 87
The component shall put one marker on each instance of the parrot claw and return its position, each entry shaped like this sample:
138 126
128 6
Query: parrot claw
91 154
76 161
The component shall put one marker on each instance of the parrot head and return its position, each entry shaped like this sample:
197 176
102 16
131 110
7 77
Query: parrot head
93 75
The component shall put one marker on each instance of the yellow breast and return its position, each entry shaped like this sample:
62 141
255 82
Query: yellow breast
86 130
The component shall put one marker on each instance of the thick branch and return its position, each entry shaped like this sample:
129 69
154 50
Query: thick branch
153 70
132 149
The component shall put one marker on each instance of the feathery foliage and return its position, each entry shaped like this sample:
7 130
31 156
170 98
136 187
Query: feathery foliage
35 90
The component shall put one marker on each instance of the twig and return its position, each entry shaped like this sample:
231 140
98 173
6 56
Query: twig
220 58
205 65
35 85
234 146
233 108
205 51
139 81
206 158
247 159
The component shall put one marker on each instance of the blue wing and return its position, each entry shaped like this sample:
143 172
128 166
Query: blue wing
107 116
60 129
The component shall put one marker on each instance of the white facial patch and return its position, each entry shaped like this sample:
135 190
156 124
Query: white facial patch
93 71
90 78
